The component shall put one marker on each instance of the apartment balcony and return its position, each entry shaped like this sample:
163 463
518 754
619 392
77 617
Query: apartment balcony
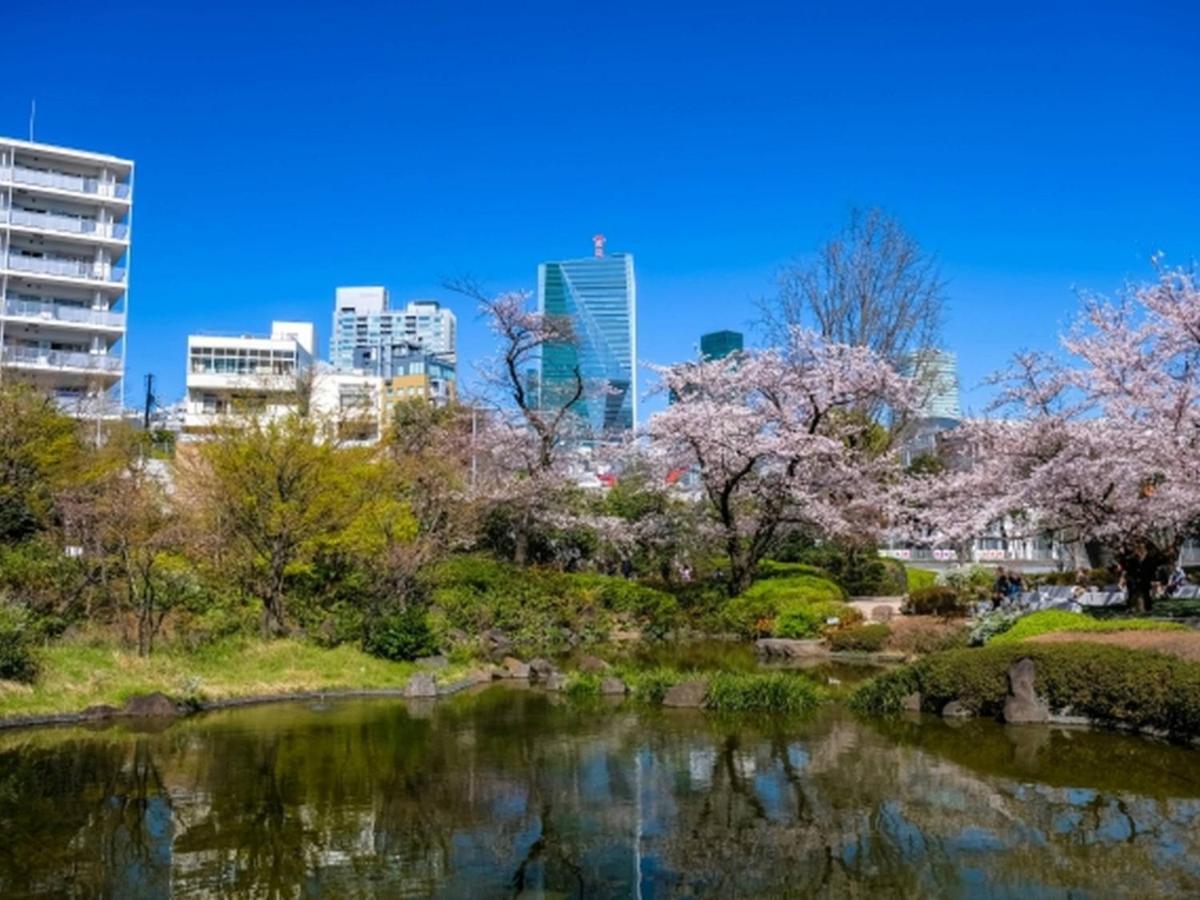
62 181
35 358
70 225
66 267
46 312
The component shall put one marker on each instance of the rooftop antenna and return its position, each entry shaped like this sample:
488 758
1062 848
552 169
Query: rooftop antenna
32 116
598 245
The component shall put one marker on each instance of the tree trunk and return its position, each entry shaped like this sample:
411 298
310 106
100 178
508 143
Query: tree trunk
1142 564
741 570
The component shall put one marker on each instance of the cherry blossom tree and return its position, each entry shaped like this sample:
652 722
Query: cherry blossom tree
779 439
1102 446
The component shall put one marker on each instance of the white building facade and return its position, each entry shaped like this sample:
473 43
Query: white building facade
366 329
65 218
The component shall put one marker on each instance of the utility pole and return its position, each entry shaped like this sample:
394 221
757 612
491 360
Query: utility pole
149 402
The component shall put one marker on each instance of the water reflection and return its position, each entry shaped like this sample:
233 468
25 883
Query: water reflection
517 793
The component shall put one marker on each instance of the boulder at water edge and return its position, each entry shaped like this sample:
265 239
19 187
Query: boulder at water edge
556 681
514 668
1023 705
147 705
612 686
956 710
686 695
593 665
541 669
420 685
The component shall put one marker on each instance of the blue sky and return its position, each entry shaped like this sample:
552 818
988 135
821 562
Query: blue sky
284 149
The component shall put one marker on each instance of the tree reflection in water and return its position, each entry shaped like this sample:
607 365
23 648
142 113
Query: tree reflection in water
516 793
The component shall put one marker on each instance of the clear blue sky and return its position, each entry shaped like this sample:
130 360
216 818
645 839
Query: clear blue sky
284 149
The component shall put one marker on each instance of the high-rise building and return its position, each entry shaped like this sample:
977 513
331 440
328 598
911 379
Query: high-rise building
720 344
64 250
936 375
367 331
598 295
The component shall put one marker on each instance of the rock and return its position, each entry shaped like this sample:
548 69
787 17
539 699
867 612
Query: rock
514 668
432 662
911 703
495 643
150 705
541 669
101 711
556 681
789 649
882 614
420 685
612 686
593 665
956 710
1023 705
686 695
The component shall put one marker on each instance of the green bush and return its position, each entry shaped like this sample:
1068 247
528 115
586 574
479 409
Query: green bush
811 620
770 568
651 685
971 583
1050 620
922 636
400 636
861 571
935 601
18 636
777 692
918 579
860 638
994 623
1111 685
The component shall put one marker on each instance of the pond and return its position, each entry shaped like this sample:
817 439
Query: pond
514 792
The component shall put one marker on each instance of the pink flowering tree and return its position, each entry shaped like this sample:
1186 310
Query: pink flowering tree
782 439
1102 446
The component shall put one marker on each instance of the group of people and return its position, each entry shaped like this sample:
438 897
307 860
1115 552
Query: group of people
1010 583
1007 586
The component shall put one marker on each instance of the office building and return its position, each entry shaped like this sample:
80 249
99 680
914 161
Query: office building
247 375
414 374
64 249
598 295
936 375
367 331
720 344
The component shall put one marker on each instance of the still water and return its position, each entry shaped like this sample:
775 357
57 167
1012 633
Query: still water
511 792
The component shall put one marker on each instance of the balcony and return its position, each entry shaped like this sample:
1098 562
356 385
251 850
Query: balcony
43 311
37 358
68 224
61 181
66 267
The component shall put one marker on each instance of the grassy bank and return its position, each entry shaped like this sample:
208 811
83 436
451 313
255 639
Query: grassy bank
74 675
764 692
1109 685
1050 621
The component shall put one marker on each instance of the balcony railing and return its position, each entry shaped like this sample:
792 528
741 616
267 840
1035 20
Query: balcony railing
71 268
66 224
63 312
61 181
36 357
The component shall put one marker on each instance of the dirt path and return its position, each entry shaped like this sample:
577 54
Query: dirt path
1184 644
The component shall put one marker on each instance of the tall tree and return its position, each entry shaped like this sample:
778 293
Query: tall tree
871 285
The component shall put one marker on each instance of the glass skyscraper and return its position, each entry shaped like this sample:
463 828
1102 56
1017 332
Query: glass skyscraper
598 295
720 344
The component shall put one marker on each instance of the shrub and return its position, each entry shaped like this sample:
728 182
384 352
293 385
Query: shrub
916 579
761 692
400 636
919 636
994 623
583 684
651 685
18 636
1111 685
1049 621
763 607
770 568
935 601
971 583
861 571
812 620
860 638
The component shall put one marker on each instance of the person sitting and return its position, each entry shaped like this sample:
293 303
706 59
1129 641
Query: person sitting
1000 588
1177 580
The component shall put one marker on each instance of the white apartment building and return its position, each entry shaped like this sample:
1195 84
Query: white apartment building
64 260
227 376
366 329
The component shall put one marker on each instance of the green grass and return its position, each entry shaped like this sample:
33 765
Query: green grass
1049 621
919 578
775 692
75 675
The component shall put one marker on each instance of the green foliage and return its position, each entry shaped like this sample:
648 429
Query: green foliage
811 620
776 692
860 638
935 601
651 685
917 579
1111 685
989 626
772 568
583 684
1177 609
972 584
1049 621
18 636
921 636
400 636
861 571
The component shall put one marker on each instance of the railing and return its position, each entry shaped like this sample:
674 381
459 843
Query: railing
61 359
71 268
66 224
61 181
62 312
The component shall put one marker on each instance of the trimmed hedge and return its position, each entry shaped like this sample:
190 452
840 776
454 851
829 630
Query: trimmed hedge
1049 621
860 638
797 604
935 601
1113 686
